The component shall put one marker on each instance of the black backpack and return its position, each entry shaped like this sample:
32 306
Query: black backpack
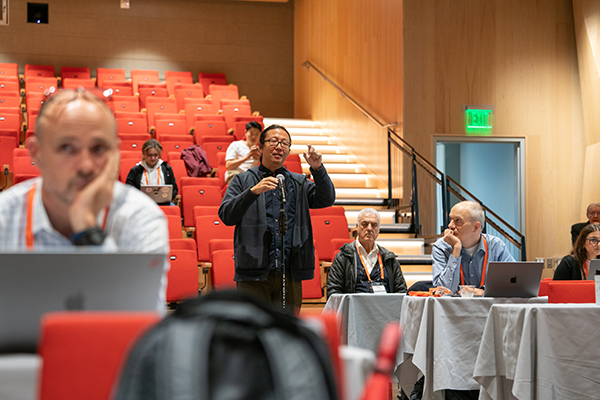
228 346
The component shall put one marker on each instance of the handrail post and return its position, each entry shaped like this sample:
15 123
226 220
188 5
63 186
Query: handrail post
523 252
444 203
389 153
447 194
415 197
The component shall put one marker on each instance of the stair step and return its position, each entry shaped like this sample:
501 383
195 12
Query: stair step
354 180
340 168
387 216
403 246
362 193
308 131
321 148
316 141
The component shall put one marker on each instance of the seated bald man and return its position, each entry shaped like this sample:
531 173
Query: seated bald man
461 256
357 267
77 200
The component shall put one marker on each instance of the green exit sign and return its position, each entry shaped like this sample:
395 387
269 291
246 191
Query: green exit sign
479 120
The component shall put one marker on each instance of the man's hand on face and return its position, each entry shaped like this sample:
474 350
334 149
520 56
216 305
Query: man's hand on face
268 183
313 158
453 241
96 196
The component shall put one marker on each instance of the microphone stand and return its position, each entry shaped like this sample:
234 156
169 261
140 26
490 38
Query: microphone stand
282 233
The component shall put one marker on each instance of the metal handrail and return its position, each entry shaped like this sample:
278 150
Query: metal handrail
417 160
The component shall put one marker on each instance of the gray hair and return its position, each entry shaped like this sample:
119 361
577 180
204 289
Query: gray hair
367 211
476 212
587 211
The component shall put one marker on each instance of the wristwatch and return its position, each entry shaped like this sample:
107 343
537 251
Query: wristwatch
90 237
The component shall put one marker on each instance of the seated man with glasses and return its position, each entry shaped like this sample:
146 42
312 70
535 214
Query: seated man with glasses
576 265
252 203
593 216
462 255
363 266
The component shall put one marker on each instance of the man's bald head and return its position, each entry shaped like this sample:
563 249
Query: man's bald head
53 109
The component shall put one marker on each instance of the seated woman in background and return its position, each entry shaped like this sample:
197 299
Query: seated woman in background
243 154
576 265
152 171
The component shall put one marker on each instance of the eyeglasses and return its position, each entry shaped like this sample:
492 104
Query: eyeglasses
273 142
593 241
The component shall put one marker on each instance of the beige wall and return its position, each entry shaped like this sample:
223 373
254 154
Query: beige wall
252 43
358 44
518 55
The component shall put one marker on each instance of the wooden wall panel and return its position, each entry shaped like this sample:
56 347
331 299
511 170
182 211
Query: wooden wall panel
252 43
358 44
520 56
587 21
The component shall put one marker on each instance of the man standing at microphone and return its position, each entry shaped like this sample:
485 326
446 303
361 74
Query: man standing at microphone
253 202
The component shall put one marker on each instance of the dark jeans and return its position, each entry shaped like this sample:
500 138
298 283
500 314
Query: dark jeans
270 291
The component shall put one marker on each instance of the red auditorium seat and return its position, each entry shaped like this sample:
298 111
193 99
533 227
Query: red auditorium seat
135 136
131 115
191 196
106 76
24 169
234 102
9 120
325 228
33 102
174 77
132 125
7 145
209 227
172 156
170 124
125 165
221 169
175 228
200 211
146 92
204 140
187 91
140 75
171 210
179 169
337 243
74 83
9 86
184 244
195 107
218 244
209 128
10 99
223 269
40 85
9 69
132 154
199 181
571 292
124 103
160 105
83 352
313 288
176 143
74 73
131 145
207 79
543 290
182 278
39 71
334 210
13 133
232 111
220 92
293 165
119 88
212 148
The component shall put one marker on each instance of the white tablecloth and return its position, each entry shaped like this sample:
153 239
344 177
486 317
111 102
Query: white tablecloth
441 340
566 339
19 376
364 315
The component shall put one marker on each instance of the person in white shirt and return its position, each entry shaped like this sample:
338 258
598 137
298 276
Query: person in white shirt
243 154
357 267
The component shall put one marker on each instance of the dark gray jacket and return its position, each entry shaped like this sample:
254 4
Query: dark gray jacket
240 207
342 275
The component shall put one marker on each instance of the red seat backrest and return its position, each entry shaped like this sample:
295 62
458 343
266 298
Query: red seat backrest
223 269
571 292
182 278
208 226
198 195
325 228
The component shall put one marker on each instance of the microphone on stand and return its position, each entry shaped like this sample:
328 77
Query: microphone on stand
281 181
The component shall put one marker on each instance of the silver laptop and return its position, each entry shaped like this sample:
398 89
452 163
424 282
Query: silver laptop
513 279
594 266
159 193
32 284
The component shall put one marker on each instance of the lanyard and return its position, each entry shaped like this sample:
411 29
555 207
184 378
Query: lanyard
485 258
157 176
29 221
586 267
364 264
